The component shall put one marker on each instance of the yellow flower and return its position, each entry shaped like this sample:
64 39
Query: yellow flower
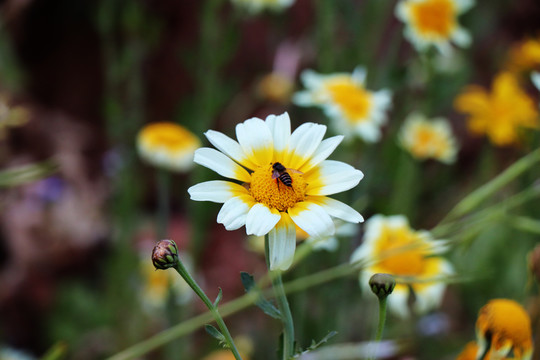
469 352
345 100
425 138
275 87
503 326
391 247
256 6
501 113
281 180
524 56
244 345
434 22
167 145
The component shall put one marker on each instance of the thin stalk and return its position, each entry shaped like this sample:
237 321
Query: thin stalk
475 198
163 186
382 319
213 308
283 306
232 307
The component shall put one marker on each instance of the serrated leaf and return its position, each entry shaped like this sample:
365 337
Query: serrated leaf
215 333
314 345
218 297
266 306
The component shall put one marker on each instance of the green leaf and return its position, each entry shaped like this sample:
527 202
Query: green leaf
216 334
218 298
266 306
27 173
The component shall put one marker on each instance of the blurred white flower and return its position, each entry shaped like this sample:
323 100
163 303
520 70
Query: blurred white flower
428 138
391 247
434 23
344 98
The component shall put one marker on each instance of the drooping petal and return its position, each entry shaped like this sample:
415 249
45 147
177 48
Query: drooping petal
324 150
312 218
229 147
282 243
397 301
336 208
261 219
217 191
234 211
256 141
221 163
303 143
331 177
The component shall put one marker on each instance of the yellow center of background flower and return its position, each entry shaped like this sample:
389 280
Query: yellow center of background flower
273 193
435 17
401 251
354 100
167 135
429 142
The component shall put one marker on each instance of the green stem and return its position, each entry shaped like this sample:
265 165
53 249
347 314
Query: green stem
232 307
283 306
213 308
380 327
475 198
163 181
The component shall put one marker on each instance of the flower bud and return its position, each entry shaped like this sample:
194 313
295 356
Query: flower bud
382 285
165 254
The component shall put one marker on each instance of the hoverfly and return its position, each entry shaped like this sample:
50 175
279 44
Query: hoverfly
280 174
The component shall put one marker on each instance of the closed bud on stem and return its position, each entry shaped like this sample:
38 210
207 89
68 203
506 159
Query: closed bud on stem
165 254
382 285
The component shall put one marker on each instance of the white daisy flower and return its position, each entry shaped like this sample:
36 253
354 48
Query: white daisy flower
167 145
391 247
346 101
282 181
256 6
434 22
425 138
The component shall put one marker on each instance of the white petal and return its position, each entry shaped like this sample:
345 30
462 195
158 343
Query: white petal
255 139
280 127
462 37
303 143
261 219
535 77
337 209
217 191
229 147
397 302
303 98
282 243
332 177
221 163
234 211
359 75
324 150
312 218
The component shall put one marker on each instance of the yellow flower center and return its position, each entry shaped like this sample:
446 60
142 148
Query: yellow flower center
429 143
273 192
402 252
507 322
353 99
434 17
171 136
